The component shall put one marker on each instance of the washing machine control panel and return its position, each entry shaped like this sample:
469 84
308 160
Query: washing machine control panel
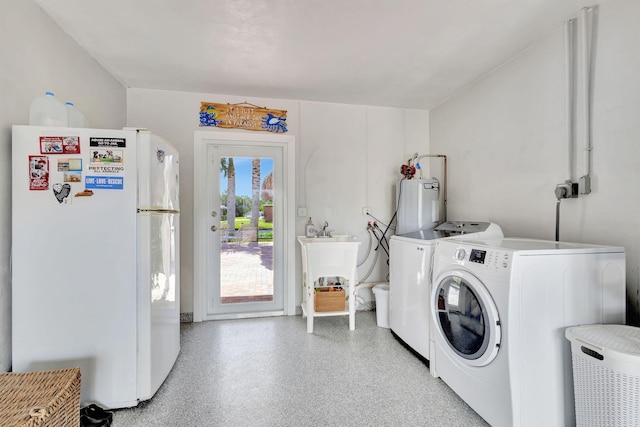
477 256
497 260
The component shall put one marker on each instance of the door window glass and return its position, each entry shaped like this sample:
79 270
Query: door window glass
246 230
462 318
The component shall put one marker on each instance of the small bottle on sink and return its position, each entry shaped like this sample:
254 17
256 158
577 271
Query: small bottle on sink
310 229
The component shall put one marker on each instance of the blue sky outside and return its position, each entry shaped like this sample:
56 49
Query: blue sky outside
243 174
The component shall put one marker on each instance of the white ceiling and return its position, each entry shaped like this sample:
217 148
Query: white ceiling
399 53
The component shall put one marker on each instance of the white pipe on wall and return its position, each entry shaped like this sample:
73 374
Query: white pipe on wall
586 26
569 41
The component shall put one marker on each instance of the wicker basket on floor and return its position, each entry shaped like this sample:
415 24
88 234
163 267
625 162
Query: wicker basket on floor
47 398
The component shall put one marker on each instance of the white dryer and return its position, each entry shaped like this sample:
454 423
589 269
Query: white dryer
500 308
409 278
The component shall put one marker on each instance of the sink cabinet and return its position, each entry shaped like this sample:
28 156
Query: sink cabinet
328 257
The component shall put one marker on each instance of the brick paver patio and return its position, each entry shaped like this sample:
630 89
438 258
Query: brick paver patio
246 271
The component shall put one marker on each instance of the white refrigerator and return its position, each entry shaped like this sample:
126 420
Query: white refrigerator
95 258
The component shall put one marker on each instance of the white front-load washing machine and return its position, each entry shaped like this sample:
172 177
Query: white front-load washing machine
409 278
500 308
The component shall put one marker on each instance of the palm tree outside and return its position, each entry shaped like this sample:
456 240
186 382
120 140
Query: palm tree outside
231 195
255 194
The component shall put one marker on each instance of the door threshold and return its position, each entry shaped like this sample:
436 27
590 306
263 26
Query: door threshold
246 298
231 316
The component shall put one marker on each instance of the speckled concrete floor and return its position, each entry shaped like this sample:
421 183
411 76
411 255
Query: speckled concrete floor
270 372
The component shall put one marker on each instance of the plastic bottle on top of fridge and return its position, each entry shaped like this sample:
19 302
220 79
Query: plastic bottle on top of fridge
46 110
75 118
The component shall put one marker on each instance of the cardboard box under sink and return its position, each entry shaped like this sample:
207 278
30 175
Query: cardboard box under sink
329 299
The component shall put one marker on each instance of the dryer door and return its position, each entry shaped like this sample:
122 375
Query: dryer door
466 318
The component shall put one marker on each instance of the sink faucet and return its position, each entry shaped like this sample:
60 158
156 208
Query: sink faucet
325 232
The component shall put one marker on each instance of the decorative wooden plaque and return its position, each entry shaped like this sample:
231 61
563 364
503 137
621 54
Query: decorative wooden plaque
243 116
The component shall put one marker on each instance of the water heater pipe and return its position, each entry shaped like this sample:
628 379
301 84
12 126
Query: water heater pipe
444 178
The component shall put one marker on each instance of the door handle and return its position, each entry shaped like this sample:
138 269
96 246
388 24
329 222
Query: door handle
214 228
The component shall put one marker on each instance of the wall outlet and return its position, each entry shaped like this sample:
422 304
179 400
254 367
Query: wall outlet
302 211
567 190
366 211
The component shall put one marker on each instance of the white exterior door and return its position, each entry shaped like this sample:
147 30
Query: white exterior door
244 257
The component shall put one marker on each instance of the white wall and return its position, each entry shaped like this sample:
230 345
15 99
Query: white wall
505 141
38 56
348 157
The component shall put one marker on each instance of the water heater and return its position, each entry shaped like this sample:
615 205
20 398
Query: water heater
418 205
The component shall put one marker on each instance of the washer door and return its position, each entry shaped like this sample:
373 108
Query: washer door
466 318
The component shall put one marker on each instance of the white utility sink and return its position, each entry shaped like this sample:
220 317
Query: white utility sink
335 256
342 238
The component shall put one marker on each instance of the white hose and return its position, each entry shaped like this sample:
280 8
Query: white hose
368 251
373 264
361 283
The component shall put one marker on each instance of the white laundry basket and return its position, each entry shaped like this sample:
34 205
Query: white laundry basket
606 374
382 305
